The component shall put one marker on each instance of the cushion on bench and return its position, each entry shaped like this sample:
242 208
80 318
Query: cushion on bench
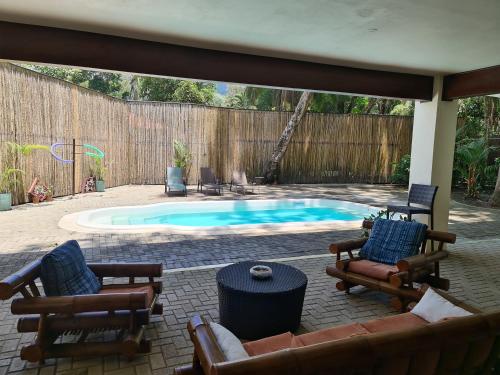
394 323
379 271
392 240
269 344
329 334
64 272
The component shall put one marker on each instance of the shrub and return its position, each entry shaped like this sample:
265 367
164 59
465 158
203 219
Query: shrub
401 172
471 165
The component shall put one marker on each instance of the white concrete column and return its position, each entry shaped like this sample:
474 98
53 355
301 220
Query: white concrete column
432 149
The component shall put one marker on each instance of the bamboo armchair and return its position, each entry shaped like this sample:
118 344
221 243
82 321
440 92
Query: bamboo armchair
421 268
123 307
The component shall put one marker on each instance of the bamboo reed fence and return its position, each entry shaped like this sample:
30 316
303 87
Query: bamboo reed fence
137 137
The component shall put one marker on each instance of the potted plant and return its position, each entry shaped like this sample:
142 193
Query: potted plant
98 171
182 158
40 193
9 179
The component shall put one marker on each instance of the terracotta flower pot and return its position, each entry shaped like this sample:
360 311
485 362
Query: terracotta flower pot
35 199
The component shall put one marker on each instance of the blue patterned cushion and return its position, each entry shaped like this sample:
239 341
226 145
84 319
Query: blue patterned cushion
65 273
392 240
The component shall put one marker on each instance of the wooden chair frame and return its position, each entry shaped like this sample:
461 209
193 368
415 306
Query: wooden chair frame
208 357
421 268
82 314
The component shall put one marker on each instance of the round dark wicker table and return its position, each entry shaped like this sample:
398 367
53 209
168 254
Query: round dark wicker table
252 308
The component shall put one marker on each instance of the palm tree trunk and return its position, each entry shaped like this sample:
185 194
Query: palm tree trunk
495 197
270 174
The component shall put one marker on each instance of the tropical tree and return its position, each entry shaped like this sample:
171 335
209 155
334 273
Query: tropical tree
108 83
471 161
271 174
194 92
168 90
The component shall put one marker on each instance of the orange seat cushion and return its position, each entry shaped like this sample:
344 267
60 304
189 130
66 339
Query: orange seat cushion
371 269
131 289
329 334
268 344
394 323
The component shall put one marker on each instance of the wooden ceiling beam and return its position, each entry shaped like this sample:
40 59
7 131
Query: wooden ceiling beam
474 83
39 44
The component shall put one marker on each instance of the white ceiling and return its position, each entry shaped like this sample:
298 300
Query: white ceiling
424 36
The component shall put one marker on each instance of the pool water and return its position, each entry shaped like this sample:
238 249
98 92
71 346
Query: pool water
222 218
225 213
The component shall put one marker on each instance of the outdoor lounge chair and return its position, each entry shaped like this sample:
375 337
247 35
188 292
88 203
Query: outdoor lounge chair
209 181
123 307
174 183
398 345
397 279
239 180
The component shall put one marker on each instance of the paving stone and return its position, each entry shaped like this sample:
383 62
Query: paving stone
472 268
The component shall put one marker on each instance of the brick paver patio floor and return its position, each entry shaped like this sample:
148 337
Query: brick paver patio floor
191 261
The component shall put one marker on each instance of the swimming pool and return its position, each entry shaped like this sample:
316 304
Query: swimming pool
216 214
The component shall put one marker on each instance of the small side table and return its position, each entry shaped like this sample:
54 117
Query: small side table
252 308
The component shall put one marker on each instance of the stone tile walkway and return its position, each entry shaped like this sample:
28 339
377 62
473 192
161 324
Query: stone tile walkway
28 232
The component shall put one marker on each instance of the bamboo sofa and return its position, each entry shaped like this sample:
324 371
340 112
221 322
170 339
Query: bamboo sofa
398 280
395 345
124 307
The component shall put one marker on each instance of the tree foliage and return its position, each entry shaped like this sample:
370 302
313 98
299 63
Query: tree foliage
175 90
267 99
471 162
401 172
105 82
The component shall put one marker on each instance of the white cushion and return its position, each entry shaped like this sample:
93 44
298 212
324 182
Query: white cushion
433 308
231 346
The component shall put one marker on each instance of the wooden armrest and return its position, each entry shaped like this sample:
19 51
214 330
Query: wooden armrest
441 236
421 260
430 234
15 282
339 247
127 269
79 304
207 349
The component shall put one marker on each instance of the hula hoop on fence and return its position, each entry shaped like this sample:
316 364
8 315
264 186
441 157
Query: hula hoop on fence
97 154
53 149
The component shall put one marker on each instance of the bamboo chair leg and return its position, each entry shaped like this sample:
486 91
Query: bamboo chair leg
344 286
400 303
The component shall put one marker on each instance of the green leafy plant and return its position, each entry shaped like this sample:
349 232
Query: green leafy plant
378 215
182 156
373 217
10 179
25 149
97 168
471 164
401 173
